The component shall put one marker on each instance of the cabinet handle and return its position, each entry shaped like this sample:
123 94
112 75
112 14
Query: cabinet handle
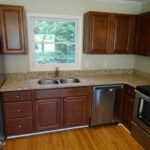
18 110
19 126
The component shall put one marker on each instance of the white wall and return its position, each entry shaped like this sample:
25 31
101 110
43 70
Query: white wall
145 7
143 63
17 63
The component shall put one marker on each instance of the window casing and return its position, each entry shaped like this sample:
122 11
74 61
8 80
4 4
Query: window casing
54 41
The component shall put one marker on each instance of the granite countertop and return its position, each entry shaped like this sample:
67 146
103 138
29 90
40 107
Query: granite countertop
31 84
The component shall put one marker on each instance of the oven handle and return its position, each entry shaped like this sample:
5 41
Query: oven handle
143 96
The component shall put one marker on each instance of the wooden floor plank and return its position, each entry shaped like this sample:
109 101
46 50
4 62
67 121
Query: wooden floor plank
97 138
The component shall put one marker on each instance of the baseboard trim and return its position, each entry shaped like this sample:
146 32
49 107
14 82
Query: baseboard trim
120 124
45 132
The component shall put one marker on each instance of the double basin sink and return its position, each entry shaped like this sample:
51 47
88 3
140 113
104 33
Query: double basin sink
59 81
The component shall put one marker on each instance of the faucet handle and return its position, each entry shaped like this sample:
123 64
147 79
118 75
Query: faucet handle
57 72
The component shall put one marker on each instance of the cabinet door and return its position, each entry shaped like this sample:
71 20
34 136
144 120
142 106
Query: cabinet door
48 113
124 33
97 32
75 111
128 103
12 29
143 35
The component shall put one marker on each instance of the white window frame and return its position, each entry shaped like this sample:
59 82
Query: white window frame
48 67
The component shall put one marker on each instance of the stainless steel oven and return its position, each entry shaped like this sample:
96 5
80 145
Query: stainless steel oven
140 128
141 113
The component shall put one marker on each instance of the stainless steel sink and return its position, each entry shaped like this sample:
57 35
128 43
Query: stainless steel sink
48 81
71 80
60 81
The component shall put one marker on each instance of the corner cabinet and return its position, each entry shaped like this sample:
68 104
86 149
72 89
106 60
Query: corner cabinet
12 29
128 102
143 35
107 33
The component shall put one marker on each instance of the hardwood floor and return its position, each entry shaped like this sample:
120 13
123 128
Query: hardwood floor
98 138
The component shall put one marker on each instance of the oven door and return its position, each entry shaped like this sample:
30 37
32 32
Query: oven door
141 112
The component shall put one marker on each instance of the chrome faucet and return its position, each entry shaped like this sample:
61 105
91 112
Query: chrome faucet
57 72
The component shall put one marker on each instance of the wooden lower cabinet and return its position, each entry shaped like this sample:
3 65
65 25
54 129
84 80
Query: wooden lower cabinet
19 126
75 111
128 102
50 109
47 109
60 108
18 112
48 114
18 109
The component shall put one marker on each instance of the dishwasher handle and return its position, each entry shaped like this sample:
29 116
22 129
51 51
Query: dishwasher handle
109 87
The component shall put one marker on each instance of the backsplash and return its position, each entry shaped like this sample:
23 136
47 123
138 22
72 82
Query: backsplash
141 73
66 74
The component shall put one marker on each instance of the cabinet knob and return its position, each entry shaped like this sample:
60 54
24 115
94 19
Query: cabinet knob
18 110
65 100
129 91
19 125
17 97
132 99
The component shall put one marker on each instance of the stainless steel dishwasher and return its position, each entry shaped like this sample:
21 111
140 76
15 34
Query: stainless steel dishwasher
106 104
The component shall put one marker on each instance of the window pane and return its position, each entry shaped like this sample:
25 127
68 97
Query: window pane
54 30
54 53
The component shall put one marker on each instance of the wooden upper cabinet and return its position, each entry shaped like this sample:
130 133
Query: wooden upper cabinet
124 33
106 33
143 35
12 23
97 32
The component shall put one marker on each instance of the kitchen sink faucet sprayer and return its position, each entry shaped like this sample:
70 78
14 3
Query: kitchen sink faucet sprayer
57 73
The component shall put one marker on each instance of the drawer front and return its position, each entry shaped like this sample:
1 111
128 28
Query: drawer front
17 96
18 109
46 94
19 126
75 91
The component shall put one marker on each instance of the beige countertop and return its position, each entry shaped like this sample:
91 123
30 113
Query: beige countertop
31 84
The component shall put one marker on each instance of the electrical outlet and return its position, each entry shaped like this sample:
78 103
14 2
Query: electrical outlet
86 64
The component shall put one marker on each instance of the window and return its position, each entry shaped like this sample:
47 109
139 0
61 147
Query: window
54 41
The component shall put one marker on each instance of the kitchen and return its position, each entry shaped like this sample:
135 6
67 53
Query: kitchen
115 52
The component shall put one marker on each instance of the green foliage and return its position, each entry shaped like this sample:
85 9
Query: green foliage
54 31
64 31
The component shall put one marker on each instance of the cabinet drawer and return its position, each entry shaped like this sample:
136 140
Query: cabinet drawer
17 96
46 94
19 126
75 91
18 109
